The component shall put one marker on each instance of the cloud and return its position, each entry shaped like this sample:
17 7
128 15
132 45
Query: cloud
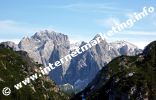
130 15
92 7
153 17
109 22
141 44
154 23
10 26
13 27
139 38
141 33
73 40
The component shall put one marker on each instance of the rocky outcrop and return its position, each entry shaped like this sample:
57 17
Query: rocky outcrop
9 44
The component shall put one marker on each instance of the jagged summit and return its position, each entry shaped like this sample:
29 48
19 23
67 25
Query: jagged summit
43 35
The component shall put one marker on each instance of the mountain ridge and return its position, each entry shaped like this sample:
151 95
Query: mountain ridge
46 47
15 67
125 78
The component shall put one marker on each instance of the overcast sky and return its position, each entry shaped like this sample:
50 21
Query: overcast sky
80 19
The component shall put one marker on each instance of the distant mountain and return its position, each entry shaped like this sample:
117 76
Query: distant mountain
10 44
125 48
125 78
47 47
15 67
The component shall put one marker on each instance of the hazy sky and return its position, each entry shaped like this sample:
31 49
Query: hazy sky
80 19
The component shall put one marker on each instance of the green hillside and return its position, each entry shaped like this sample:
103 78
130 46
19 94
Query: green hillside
15 67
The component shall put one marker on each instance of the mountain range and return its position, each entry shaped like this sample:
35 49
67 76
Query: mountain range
48 46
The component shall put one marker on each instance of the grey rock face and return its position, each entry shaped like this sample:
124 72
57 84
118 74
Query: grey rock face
47 47
11 45
41 45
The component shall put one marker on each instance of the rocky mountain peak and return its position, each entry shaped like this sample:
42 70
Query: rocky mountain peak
52 35
121 43
125 48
